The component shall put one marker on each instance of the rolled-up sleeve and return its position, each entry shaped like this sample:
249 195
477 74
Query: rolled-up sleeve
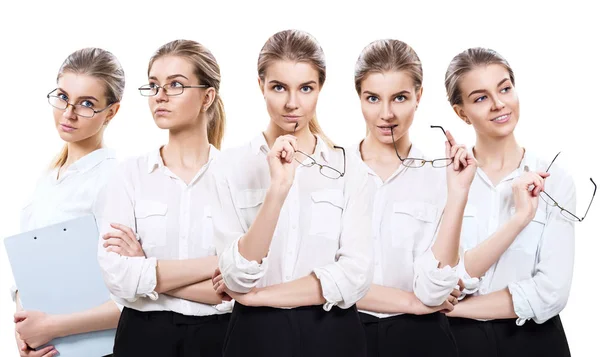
239 274
545 294
348 279
432 285
128 278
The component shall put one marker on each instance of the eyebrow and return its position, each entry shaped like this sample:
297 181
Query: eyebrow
85 97
274 81
483 90
393 95
169 77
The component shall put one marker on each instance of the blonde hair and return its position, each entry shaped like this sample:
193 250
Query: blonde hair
296 46
100 64
466 61
385 56
208 72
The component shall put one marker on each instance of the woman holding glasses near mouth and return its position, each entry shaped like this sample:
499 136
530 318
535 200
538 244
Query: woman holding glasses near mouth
416 246
166 200
517 248
296 251
90 85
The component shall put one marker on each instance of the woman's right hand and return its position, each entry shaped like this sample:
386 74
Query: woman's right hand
527 199
25 351
281 161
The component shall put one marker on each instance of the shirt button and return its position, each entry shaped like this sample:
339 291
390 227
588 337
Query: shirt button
287 277
294 226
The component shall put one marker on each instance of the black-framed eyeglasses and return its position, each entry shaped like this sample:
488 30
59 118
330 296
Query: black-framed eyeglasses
171 89
419 162
308 161
81 110
563 211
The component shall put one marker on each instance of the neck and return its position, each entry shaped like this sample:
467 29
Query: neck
305 139
498 153
372 148
188 148
79 149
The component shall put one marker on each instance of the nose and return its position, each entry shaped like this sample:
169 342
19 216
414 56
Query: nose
498 104
292 101
69 112
161 95
386 111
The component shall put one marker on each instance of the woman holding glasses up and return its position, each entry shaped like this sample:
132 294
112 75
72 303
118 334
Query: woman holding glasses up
90 85
166 199
517 248
295 243
417 210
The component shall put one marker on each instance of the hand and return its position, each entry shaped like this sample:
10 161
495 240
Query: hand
123 241
282 167
219 285
527 198
461 172
25 351
422 309
247 299
35 328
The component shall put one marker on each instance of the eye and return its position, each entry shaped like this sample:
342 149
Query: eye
480 99
63 96
152 85
372 99
505 90
278 88
176 84
87 103
306 89
400 99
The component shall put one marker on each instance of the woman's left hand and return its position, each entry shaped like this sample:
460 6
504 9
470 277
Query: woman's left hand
123 241
35 328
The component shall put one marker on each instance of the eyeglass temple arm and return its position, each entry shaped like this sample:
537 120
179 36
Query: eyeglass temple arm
343 153
394 142
552 162
592 200
436 127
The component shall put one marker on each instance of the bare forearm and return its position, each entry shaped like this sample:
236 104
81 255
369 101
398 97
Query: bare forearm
497 305
174 274
103 317
255 244
301 292
388 300
479 259
445 248
202 292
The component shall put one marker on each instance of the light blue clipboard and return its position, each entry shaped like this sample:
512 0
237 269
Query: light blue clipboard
57 272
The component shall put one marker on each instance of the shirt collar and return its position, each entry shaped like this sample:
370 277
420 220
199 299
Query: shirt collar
92 159
155 160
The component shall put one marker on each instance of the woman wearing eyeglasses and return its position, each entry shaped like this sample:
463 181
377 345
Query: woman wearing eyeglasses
156 249
295 243
90 85
517 249
416 246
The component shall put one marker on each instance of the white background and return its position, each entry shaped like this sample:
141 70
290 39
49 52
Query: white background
553 49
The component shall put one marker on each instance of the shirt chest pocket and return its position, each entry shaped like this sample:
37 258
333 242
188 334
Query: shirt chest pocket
469 235
530 236
326 213
410 221
248 202
151 222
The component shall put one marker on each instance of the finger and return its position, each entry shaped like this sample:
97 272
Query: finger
115 249
448 149
456 162
454 149
221 288
115 242
129 236
51 353
463 158
461 285
447 306
456 293
288 152
20 316
450 138
293 141
544 174
218 279
42 352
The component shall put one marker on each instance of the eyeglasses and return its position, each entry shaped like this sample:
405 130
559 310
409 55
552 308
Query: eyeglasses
307 161
563 211
171 89
417 162
59 102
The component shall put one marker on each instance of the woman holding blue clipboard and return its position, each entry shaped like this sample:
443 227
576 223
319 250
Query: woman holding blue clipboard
167 199
90 86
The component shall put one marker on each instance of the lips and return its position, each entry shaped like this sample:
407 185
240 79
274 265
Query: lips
67 128
501 118
161 111
292 118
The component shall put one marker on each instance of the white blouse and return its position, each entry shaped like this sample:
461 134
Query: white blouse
324 226
173 220
537 268
407 210
73 195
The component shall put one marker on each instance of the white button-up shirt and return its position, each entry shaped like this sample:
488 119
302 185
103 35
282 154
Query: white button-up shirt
407 210
537 268
72 195
173 220
324 226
